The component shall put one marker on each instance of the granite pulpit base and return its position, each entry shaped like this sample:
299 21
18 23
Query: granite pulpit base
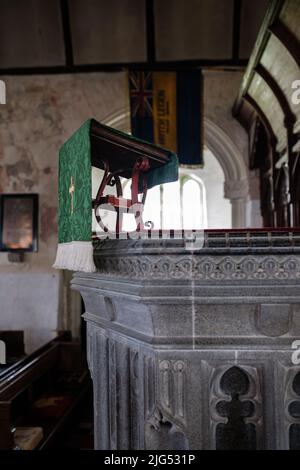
194 350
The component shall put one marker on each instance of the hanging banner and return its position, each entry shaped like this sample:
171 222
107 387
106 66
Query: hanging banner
141 108
167 109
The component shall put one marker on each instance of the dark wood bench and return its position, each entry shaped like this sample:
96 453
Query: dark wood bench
56 373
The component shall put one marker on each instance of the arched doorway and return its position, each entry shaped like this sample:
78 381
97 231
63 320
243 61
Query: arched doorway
229 158
195 201
236 183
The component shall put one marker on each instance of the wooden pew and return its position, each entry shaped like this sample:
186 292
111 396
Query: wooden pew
42 390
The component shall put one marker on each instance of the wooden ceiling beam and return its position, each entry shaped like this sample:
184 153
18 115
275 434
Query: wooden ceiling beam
65 16
261 41
263 118
287 39
236 29
223 64
150 28
289 116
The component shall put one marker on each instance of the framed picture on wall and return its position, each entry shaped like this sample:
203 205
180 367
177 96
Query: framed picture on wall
19 222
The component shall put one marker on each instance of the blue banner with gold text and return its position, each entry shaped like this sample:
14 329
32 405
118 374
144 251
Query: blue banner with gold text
167 109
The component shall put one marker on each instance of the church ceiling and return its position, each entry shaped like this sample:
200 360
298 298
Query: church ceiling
269 81
85 35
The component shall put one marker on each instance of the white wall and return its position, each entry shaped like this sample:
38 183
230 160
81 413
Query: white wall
29 301
220 91
41 112
218 208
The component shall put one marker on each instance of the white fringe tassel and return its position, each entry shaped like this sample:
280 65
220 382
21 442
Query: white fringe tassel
75 256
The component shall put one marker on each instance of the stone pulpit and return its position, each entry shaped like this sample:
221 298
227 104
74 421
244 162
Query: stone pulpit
195 349
193 338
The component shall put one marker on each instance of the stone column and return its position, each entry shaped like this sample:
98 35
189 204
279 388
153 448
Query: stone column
238 212
194 350
237 192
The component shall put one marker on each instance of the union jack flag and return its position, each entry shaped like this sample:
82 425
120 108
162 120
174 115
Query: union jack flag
141 93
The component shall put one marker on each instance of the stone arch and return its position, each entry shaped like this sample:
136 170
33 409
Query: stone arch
119 119
236 186
293 408
235 432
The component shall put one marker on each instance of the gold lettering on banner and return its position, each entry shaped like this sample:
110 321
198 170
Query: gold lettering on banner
164 109
71 192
